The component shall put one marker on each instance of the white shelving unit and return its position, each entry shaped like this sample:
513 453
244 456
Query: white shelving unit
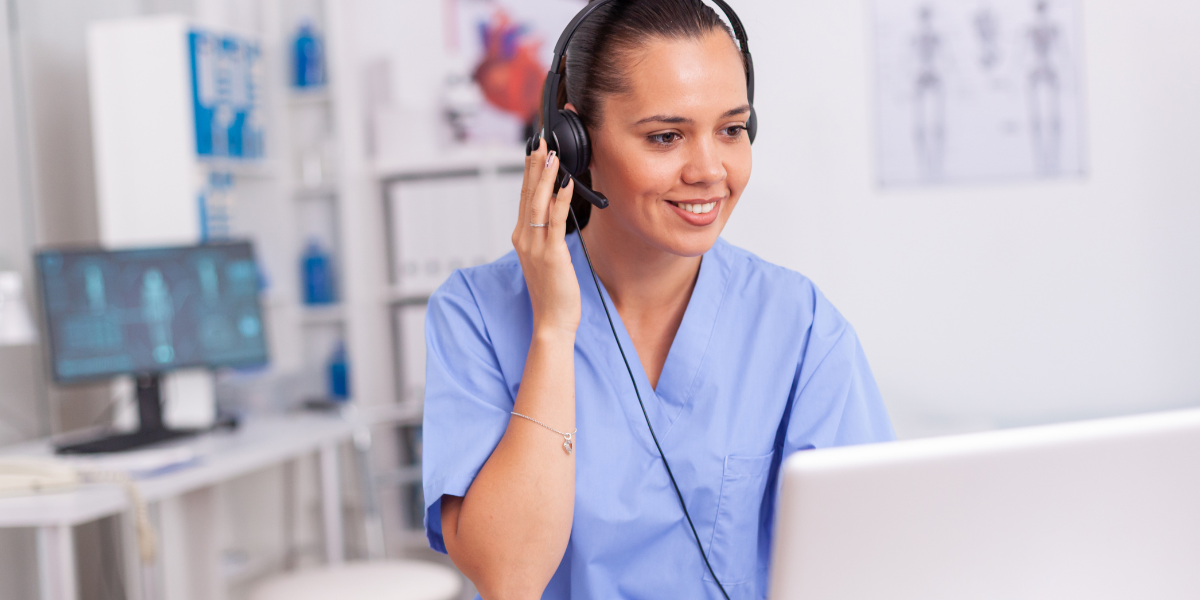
324 315
353 200
316 180
479 160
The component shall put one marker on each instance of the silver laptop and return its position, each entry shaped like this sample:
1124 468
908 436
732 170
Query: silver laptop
1093 510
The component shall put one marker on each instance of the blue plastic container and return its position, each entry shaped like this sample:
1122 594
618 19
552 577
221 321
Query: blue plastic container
339 375
309 58
318 275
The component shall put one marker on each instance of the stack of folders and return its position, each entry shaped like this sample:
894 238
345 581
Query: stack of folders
439 224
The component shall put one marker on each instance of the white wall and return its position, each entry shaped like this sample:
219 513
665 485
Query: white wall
979 305
985 306
22 416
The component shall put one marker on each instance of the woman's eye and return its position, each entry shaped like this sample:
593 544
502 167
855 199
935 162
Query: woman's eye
664 139
734 130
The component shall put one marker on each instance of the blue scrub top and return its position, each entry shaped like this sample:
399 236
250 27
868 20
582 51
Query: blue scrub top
762 366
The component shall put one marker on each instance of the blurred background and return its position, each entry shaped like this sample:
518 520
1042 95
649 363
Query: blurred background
1003 197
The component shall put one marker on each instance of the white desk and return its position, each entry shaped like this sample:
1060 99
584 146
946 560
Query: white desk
257 444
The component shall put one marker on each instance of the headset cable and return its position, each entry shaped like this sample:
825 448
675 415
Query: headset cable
678 494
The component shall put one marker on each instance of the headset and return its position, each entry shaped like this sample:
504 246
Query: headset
565 133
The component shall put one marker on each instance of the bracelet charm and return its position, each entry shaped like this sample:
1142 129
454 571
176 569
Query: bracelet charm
569 438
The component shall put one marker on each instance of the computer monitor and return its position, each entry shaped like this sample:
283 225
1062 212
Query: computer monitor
1101 510
148 311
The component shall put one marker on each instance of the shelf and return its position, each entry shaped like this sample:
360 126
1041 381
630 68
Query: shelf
298 98
325 190
399 297
240 168
384 414
332 314
454 162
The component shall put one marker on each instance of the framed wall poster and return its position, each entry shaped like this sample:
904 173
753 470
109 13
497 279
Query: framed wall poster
985 90
226 84
500 52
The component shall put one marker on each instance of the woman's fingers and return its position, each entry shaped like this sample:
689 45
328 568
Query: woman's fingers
534 164
539 203
533 171
524 193
560 208
545 259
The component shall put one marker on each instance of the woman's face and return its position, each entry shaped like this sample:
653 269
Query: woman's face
672 154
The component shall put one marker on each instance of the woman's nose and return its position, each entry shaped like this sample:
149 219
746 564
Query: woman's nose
704 165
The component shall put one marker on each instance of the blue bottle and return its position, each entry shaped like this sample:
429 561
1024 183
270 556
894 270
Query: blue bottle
309 58
318 275
339 375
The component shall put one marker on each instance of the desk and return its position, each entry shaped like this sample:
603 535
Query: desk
257 444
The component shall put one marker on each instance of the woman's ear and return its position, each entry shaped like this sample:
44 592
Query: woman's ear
571 107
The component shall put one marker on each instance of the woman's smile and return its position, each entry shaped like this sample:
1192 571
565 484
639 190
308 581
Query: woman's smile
699 212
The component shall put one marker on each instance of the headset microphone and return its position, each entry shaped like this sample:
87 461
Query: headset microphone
596 198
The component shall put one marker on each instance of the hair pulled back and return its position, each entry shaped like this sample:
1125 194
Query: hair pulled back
607 42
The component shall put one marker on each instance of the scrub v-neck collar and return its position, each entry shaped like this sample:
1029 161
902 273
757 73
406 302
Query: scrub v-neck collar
680 373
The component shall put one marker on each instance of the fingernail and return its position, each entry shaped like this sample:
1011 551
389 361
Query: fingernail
529 146
565 180
550 159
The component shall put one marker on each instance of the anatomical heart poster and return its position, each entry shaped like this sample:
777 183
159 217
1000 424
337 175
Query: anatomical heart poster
500 51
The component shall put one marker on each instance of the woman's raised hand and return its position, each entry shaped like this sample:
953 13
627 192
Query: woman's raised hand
545 258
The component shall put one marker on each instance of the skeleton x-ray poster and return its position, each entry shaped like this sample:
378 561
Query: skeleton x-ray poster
978 90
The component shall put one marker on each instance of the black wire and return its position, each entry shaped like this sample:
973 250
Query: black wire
632 380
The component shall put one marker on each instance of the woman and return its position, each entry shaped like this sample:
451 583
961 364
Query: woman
740 362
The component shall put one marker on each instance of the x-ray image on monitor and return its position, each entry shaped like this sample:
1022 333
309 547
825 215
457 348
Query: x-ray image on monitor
151 310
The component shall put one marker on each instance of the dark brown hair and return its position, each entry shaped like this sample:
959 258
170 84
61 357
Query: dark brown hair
605 44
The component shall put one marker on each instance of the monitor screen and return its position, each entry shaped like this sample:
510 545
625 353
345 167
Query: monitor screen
151 310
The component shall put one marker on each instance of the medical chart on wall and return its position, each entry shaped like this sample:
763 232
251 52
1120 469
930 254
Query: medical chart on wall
978 90
227 75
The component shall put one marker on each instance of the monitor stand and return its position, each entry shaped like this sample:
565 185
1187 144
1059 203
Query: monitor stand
151 429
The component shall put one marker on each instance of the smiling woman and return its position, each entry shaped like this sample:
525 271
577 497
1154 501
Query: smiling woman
672 147
541 476
614 60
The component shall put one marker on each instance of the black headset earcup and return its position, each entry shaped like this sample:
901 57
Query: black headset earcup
752 125
574 147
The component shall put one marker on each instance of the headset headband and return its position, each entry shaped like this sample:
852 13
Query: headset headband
554 77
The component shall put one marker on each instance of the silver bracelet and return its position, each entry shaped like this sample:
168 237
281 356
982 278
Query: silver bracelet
568 445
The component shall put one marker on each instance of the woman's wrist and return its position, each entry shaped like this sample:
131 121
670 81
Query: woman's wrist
553 335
